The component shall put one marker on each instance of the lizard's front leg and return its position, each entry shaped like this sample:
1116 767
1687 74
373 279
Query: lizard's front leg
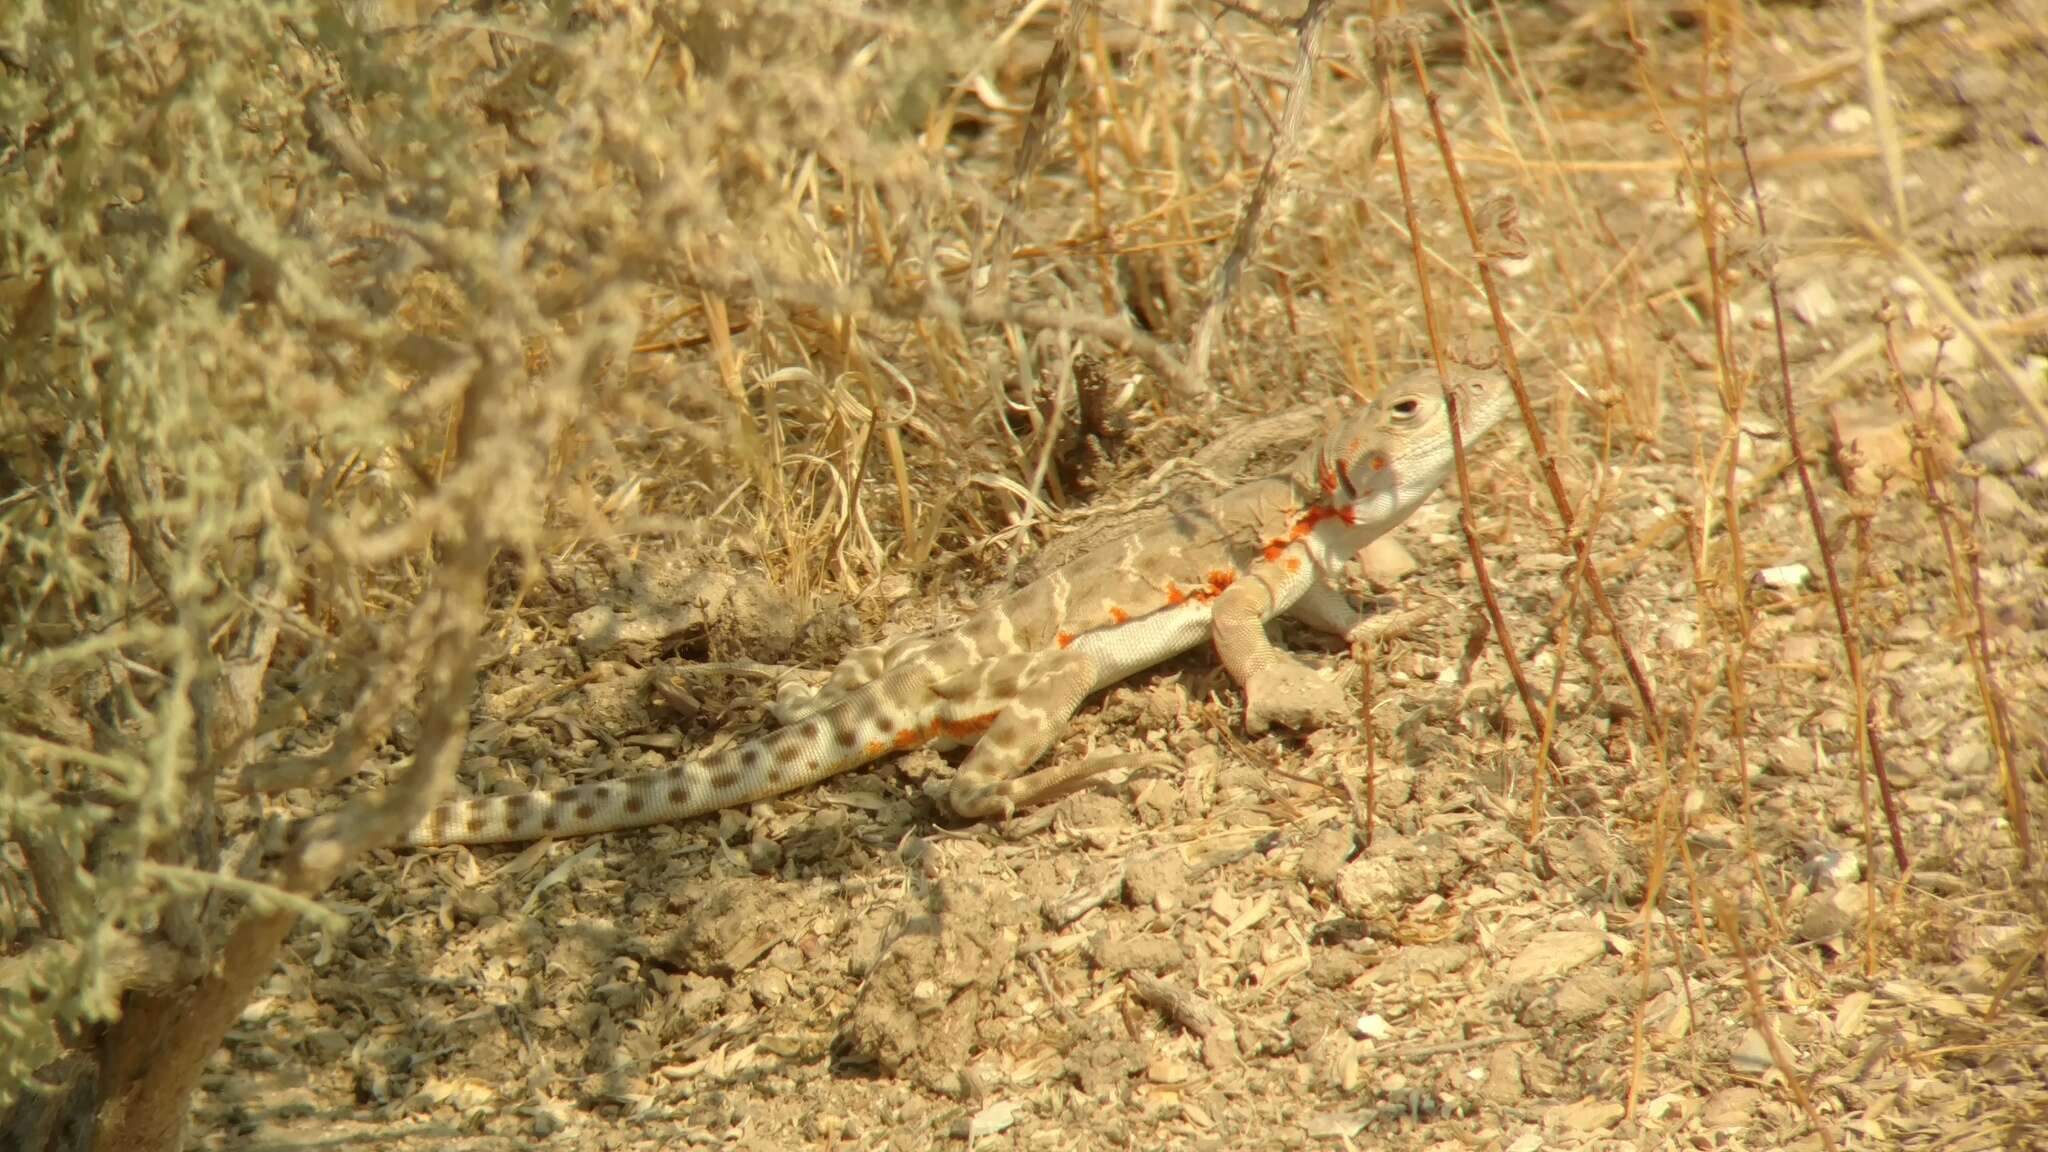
1278 686
1328 608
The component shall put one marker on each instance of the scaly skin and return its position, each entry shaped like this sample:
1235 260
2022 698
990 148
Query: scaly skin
1010 677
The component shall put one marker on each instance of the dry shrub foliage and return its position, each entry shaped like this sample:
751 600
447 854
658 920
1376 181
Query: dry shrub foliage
265 261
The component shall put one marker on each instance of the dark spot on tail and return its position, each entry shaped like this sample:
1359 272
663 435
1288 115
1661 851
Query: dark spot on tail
634 804
726 780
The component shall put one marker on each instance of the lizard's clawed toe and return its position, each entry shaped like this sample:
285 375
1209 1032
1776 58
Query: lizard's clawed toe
973 797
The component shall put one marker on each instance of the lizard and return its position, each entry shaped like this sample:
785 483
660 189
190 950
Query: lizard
1010 677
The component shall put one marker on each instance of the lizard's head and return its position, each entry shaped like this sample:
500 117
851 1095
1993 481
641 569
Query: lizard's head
1381 462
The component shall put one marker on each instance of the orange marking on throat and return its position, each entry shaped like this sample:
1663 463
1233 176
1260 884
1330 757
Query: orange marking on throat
1302 527
1064 639
1118 615
1174 595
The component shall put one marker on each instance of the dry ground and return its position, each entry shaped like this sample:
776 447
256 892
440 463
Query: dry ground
1322 941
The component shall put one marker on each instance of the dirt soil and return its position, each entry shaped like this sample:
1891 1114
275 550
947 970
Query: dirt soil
1330 940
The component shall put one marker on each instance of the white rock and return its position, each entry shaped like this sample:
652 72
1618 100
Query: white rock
1814 303
1849 120
1827 915
1555 953
1785 577
1834 869
1753 1055
991 1121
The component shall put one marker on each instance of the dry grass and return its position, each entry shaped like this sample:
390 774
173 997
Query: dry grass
775 326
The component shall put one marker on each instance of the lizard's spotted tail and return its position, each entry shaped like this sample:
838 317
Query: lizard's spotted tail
851 733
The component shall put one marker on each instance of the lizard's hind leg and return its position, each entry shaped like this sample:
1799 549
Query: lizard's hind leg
1033 697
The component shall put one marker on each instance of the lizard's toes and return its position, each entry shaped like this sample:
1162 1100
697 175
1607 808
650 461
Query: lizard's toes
795 702
972 796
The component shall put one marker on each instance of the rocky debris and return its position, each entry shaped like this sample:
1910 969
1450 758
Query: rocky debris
1874 438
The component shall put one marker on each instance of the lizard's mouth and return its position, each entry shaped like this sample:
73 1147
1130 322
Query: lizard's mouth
1346 492
1349 493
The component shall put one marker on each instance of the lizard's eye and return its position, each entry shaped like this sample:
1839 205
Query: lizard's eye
1406 409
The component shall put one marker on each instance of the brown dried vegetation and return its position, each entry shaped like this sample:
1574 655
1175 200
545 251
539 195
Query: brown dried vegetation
397 399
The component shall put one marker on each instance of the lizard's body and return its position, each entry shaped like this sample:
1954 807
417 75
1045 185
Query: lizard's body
1010 677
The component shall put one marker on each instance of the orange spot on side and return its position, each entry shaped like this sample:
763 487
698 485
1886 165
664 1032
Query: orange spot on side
1118 615
1213 584
962 729
914 737
1293 564
1064 639
877 749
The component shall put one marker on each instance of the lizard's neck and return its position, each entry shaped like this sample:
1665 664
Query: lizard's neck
1332 538
1293 514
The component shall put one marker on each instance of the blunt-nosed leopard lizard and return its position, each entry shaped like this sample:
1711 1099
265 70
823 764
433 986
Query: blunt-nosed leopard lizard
1010 677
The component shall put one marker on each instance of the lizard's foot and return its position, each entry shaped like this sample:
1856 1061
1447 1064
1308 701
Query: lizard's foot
1386 625
1294 695
794 702
972 796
